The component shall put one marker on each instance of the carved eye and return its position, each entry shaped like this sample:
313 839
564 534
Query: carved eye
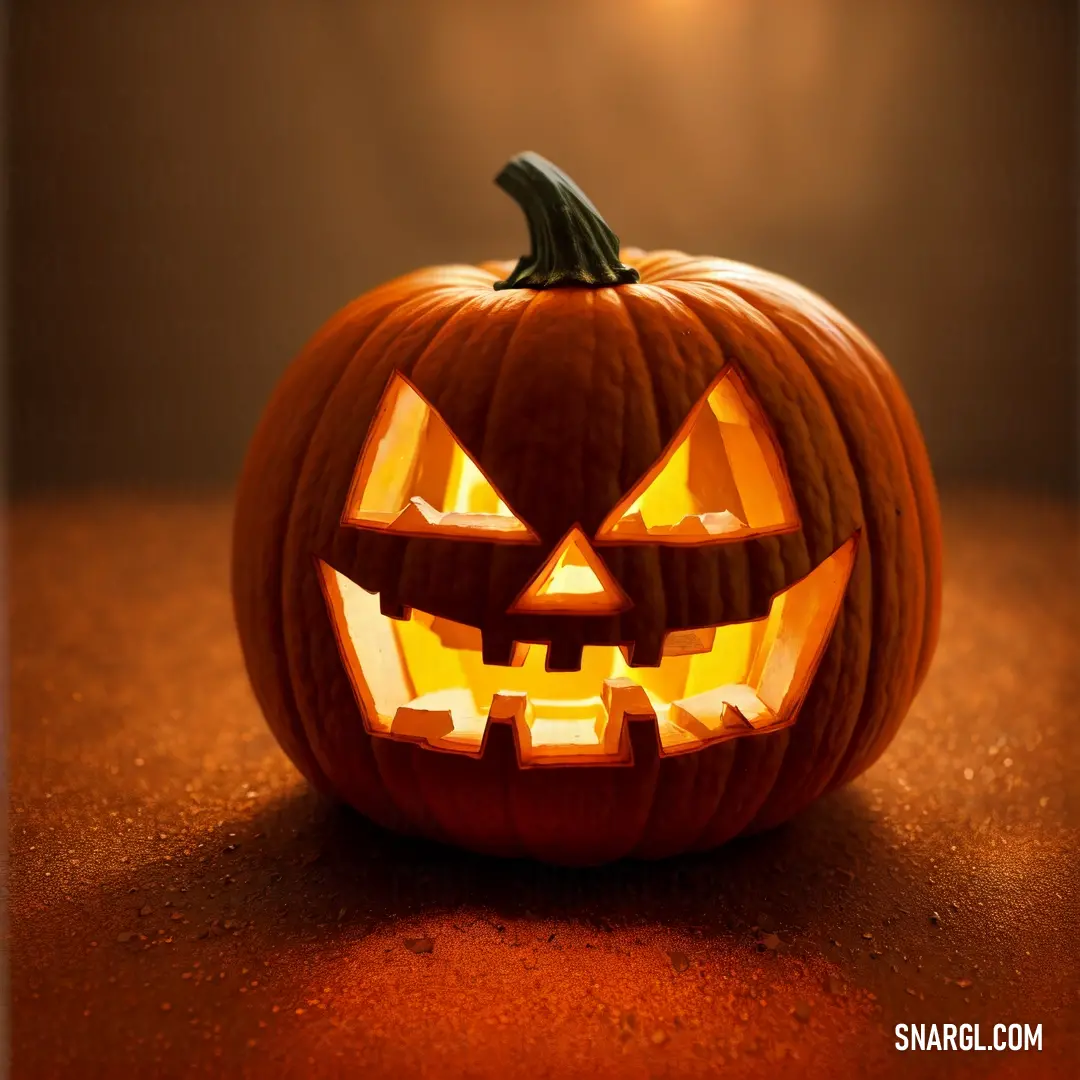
415 479
721 478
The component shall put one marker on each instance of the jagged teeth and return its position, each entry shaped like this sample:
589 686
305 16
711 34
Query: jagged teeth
583 718
726 712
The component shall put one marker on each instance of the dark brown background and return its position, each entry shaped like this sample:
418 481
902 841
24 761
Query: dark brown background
196 186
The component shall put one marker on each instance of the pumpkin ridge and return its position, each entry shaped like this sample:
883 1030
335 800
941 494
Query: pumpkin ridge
706 789
670 775
724 814
419 570
298 740
673 564
784 548
676 287
655 266
896 405
399 552
539 793
922 482
894 697
736 559
511 341
642 567
477 302
501 436
824 688
742 563
397 767
670 419
827 679
907 591
781 385
501 370
754 768
662 608
496 268
619 295
299 590
482 450
924 502
893 706
757 558
872 677
450 786
407 559
624 484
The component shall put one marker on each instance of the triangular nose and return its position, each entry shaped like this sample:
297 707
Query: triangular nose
573 581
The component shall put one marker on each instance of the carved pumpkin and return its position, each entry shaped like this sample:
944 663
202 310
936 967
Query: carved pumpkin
580 558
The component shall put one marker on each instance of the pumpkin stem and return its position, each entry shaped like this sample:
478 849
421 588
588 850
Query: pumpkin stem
571 243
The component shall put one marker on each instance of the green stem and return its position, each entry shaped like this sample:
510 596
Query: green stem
571 243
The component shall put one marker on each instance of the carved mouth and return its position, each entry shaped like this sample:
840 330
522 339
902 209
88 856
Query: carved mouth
423 678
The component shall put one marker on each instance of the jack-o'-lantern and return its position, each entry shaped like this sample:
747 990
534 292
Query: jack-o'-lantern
583 557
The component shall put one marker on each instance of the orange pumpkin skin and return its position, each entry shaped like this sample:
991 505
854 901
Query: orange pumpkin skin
564 397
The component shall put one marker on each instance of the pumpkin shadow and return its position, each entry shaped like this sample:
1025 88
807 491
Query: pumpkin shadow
304 877
306 865
838 889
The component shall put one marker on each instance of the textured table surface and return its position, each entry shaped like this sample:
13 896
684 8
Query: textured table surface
180 905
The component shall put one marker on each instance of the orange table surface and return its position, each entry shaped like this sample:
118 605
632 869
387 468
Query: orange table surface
181 905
